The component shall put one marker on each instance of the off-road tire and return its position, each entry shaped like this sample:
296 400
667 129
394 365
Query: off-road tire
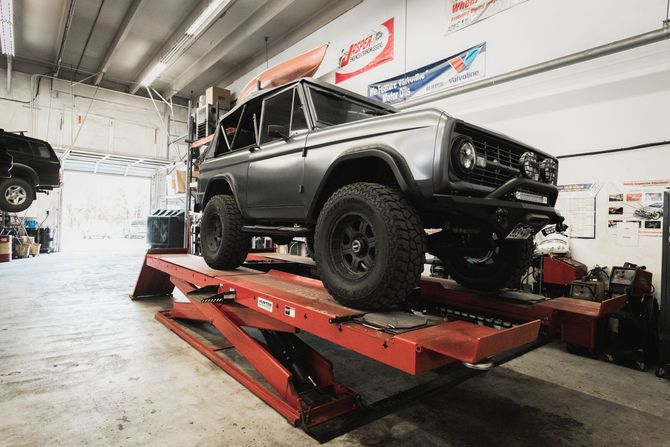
511 263
232 247
399 242
20 183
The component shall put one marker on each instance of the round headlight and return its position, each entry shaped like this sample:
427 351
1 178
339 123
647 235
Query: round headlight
466 155
549 170
529 166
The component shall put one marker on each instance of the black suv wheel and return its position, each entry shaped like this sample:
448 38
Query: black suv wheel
224 245
369 246
16 195
500 266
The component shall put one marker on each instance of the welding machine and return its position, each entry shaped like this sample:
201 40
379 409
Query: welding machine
558 273
632 333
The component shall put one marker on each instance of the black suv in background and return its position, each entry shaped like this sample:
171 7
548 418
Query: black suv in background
36 169
5 161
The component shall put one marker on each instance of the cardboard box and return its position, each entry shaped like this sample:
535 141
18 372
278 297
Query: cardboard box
220 96
176 181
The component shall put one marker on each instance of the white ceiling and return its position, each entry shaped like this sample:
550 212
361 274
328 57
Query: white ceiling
232 41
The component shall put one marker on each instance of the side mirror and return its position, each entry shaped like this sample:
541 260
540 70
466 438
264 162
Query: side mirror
277 131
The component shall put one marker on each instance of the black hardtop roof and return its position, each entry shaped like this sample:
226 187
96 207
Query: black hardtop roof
20 134
318 83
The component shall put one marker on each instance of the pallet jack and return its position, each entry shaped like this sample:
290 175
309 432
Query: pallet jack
261 307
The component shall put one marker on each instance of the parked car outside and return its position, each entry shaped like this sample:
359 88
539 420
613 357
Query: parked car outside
135 228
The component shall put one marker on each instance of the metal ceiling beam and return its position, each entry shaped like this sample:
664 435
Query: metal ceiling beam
64 35
121 34
264 14
168 43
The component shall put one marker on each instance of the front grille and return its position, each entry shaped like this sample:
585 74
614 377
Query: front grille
502 157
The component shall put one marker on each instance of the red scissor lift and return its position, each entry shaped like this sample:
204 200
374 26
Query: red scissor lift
271 295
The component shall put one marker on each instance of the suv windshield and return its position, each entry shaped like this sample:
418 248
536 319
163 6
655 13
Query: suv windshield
333 108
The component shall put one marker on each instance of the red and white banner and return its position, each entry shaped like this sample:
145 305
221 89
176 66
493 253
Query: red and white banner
462 13
370 50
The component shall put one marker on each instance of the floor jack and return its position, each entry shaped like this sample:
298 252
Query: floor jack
262 307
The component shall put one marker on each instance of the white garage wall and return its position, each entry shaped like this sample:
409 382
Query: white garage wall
616 101
86 118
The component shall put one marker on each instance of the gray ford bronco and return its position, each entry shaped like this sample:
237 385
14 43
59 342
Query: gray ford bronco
372 189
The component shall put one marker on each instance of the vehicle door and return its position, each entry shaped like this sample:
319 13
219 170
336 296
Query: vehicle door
20 150
234 141
276 167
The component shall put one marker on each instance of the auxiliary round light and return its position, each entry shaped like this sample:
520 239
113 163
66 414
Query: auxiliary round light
549 170
466 156
529 166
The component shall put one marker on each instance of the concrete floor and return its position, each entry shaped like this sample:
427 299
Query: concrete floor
80 364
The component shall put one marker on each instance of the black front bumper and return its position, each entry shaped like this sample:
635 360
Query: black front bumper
501 212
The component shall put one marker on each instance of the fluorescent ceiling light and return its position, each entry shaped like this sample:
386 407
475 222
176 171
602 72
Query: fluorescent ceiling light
7 27
205 19
153 74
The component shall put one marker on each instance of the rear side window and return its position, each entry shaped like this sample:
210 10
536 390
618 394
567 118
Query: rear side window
18 146
238 130
41 149
246 131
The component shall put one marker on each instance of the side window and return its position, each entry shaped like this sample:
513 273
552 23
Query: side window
246 130
277 116
18 145
226 132
283 114
298 120
41 150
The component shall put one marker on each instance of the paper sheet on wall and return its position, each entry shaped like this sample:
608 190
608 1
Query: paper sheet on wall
627 234
577 203
639 203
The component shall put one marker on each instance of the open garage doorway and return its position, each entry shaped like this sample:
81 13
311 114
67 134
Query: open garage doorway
104 212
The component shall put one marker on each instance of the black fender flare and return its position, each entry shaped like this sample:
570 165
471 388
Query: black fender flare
395 161
221 178
25 172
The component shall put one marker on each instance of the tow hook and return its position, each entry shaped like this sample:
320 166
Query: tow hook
501 217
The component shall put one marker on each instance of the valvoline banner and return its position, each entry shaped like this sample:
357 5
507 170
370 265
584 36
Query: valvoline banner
371 50
443 74
462 13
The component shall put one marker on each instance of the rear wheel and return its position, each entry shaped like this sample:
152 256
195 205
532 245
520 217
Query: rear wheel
369 246
501 265
224 245
16 195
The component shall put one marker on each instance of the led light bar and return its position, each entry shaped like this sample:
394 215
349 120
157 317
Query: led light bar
529 197
192 33
7 27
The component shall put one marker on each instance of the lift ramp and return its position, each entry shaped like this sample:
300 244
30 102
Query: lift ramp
268 293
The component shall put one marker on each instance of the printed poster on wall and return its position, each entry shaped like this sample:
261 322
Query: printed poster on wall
638 203
443 74
463 13
368 51
577 203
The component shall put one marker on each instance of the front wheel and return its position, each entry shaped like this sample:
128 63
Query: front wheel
501 265
16 195
224 245
369 246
